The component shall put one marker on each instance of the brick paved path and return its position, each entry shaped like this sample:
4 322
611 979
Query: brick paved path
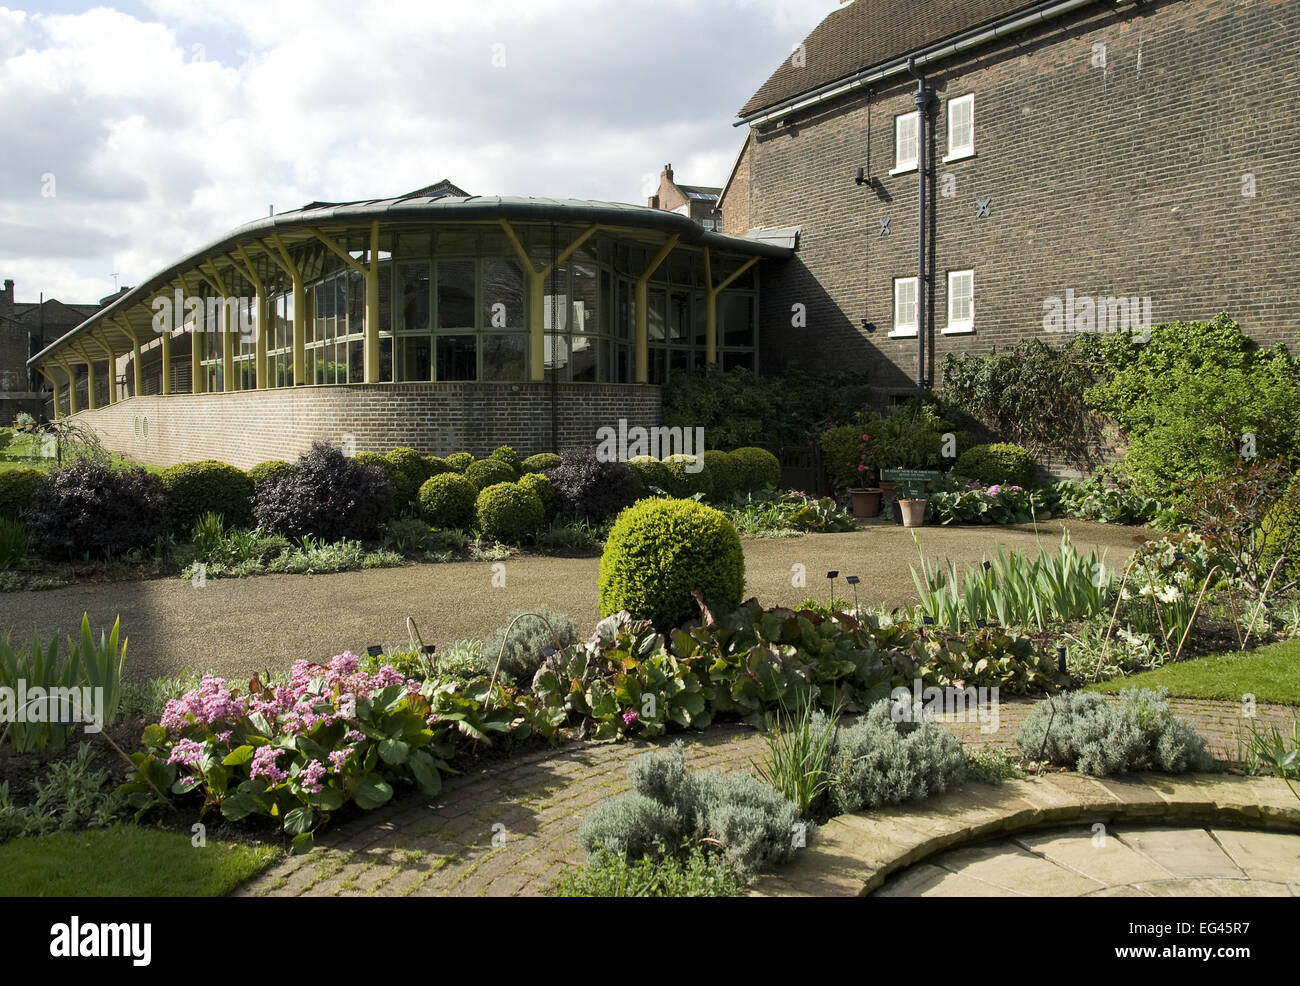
509 827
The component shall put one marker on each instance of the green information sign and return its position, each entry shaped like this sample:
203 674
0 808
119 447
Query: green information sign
912 481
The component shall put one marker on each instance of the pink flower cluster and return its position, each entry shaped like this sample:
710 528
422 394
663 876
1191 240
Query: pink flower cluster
210 703
264 765
995 489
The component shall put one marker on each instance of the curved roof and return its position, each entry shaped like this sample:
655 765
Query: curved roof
413 209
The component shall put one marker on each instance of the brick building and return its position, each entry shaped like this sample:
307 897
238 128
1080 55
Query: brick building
437 319
700 202
1087 164
24 329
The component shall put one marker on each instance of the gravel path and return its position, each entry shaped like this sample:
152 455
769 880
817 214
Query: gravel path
237 626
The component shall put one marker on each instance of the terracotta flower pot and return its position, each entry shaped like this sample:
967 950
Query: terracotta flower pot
913 512
866 501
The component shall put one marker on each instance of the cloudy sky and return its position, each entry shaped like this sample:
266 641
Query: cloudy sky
137 132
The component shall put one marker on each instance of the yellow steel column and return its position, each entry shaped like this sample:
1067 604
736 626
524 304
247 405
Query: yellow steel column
92 402
112 373
259 318
372 308
55 384
214 280
72 387
536 307
137 370
198 340
166 362
299 310
641 348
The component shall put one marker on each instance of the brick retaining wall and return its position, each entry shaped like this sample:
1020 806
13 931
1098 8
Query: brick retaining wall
245 428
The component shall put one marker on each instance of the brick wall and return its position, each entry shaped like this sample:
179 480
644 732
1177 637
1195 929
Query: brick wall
1122 180
735 202
245 428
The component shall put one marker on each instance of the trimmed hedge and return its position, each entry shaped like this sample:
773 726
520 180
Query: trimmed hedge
543 487
509 512
265 470
448 500
722 475
89 508
510 457
540 462
16 489
659 550
650 473
998 463
409 471
756 468
208 486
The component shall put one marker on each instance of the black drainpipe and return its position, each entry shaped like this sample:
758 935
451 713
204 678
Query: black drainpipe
923 97
555 335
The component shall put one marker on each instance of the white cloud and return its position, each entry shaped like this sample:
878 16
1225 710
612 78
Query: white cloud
167 127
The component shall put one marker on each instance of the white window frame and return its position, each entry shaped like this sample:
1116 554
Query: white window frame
960 326
905 330
901 166
957 153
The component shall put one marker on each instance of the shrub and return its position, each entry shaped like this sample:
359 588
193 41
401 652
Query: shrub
735 408
756 468
682 481
541 462
1030 394
1279 537
1085 732
669 806
434 466
326 495
998 463
530 641
843 451
590 489
1248 513
14 542
659 551
544 488
509 513
208 486
723 477
407 470
489 472
89 508
510 457
878 761
265 470
697 874
448 500
459 461
16 489
650 473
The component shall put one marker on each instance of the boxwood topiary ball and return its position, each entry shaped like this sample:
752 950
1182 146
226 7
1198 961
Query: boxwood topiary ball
16 489
659 550
756 468
509 512
208 486
459 461
447 500
489 472
1000 462
543 487
540 462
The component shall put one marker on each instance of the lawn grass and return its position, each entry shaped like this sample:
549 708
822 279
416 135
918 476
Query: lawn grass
126 861
1271 674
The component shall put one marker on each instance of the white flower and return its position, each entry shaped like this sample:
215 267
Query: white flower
1169 594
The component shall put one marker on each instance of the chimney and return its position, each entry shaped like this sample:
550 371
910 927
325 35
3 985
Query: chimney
667 172
7 299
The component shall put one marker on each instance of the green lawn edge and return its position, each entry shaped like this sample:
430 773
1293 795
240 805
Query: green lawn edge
1271 674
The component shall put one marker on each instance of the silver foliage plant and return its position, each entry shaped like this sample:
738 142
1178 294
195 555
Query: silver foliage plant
1084 731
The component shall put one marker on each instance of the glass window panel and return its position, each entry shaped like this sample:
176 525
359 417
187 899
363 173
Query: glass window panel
586 312
679 316
457 357
385 359
732 360
736 320
678 361
656 316
341 305
503 295
356 303
310 365
385 297
356 361
585 357
505 357
416 358
699 319
621 371
658 364
456 294
413 295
